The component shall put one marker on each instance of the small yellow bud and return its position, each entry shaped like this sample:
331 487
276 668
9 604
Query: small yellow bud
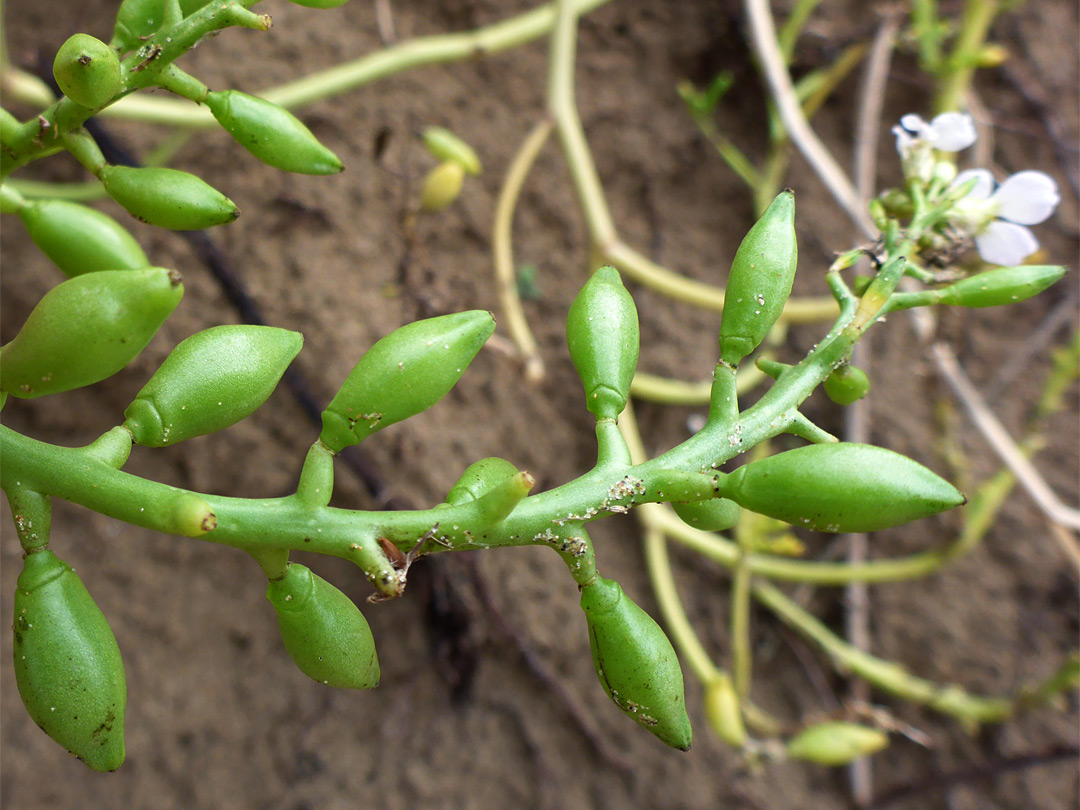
442 186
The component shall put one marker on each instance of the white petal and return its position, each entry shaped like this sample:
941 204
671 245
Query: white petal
952 131
984 183
916 125
1006 243
1027 198
904 140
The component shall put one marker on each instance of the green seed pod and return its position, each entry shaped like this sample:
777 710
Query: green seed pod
760 280
441 187
714 515
835 744
403 374
840 487
67 664
602 334
1002 285
636 663
9 126
86 329
319 3
479 478
210 381
723 712
87 71
847 384
168 198
446 146
271 133
138 20
80 239
325 633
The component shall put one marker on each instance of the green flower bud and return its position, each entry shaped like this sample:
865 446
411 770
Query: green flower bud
67 664
446 146
79 239
723 712
602 335
271 133
325 633
168 198
138 20
210 381
847 384
840 487
636 663
403 374
835 744
87 71
479 478
86 329
760 280
1002 285
441 187
190 516
714 515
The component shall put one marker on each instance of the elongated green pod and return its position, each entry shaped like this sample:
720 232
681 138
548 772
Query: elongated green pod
602 334
760 280
325 633
87 71
210 381
723 711
713 515
495 505
404 373
168 198
840 487
80 239
9 126
445 145
316 484
846 385
834 744
86 329
441 186
1002 285
67 663
271 133
479 478
138 20
636 663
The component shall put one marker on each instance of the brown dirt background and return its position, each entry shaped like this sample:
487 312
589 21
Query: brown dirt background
218 717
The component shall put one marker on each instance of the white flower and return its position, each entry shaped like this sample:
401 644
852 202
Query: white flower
916 140
997 218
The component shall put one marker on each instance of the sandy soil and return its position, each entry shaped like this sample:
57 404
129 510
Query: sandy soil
218 717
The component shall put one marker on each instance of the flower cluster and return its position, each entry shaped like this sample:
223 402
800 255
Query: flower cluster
994 215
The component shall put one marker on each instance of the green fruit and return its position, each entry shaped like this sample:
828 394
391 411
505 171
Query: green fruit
67 664
760 280
847 384
446 146
138 20
80 239
636 663
168 198
715 515
840 487
1003 285
835 744
723 711
86 329
479 478
210 381
602 334
325 633
271 133
441 187
87 71
403 374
